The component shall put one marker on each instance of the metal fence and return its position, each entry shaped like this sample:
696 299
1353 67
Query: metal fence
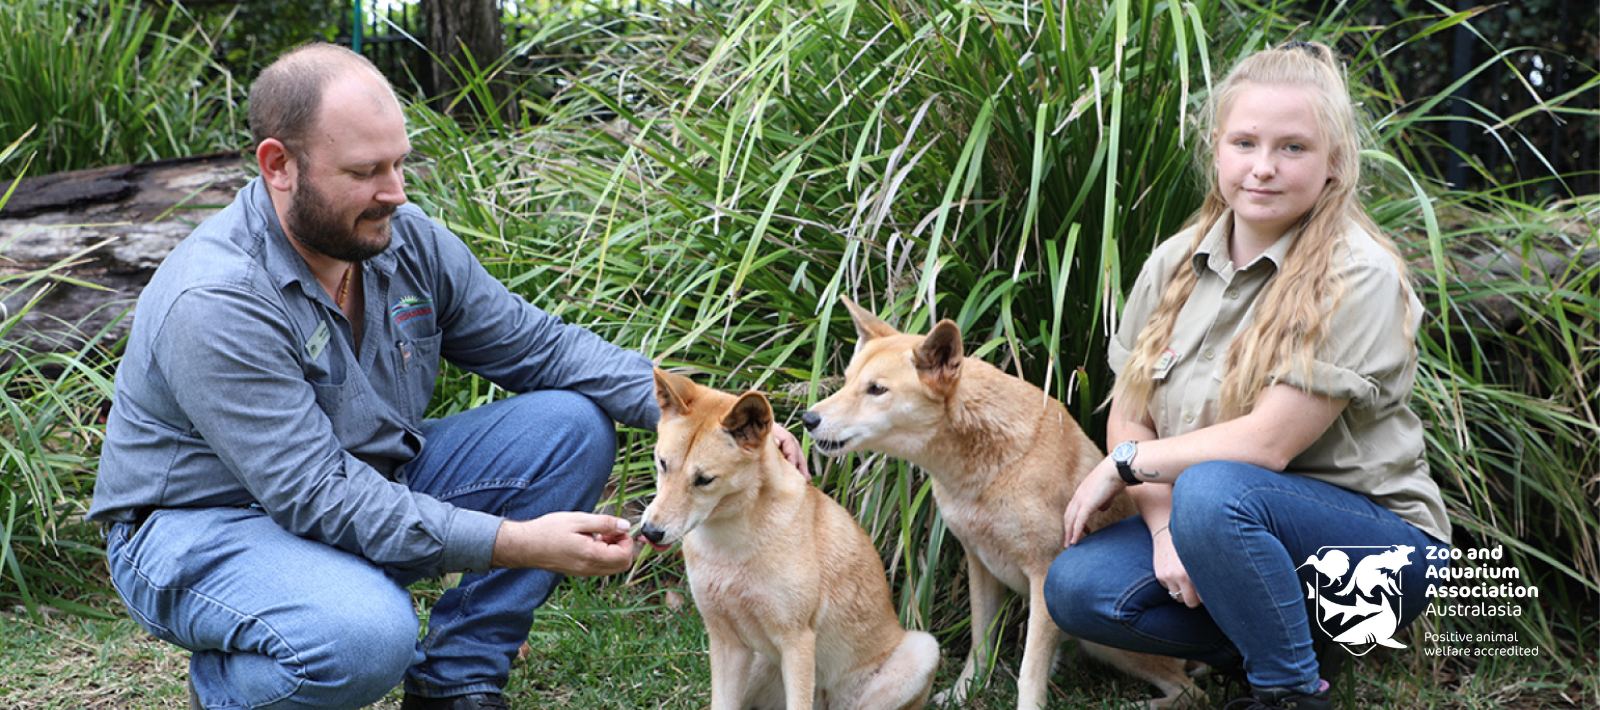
393 36
1542 55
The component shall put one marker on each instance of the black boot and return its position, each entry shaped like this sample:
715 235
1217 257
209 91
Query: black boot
474 701
1283 699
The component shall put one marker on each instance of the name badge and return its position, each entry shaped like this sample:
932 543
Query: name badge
318 341
1163 366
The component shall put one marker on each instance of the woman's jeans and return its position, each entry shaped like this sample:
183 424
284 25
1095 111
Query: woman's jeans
277 621
1255 543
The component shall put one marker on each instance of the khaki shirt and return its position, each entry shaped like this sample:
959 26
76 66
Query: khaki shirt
1375 447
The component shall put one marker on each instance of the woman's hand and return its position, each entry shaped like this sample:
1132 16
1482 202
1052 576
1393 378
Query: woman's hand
1094 494
790 448
1170 571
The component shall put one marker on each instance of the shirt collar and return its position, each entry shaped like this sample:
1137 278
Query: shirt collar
1212 253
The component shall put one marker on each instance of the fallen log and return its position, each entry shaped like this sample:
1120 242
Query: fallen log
99 234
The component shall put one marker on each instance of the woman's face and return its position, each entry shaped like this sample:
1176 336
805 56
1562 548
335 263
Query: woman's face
1271 159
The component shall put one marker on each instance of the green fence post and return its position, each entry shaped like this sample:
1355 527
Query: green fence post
355 27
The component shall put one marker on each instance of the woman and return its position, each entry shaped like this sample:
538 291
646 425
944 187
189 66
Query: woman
1264 366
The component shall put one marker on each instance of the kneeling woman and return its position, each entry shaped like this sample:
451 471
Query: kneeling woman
1264 364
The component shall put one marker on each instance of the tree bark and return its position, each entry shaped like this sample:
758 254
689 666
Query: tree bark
463 34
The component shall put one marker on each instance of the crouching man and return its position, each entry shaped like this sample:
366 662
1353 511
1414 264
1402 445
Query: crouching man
268 482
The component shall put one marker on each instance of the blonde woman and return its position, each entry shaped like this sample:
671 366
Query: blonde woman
1260 418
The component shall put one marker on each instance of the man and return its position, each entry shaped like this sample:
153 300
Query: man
268 482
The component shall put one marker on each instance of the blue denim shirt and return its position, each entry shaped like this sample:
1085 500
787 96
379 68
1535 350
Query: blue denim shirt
240 385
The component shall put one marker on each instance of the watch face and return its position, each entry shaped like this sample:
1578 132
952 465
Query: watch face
1124 452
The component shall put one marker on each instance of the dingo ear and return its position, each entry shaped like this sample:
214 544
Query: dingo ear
673 393
868 326
939 358
750 421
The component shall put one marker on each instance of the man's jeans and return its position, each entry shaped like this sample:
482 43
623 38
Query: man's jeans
1245 535
276 621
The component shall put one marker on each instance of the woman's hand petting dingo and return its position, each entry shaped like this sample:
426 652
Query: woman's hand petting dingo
790 447
577 544
1094 494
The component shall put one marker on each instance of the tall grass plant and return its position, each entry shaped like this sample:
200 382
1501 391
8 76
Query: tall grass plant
50 434
105 82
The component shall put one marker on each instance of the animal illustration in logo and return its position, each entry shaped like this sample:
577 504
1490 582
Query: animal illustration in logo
1363 610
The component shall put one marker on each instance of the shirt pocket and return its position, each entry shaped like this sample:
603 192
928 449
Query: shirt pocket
416 363
330 381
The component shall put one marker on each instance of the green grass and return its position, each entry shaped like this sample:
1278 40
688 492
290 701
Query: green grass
50 437
61 662
607 644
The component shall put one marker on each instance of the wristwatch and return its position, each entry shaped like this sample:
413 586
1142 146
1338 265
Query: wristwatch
1122 456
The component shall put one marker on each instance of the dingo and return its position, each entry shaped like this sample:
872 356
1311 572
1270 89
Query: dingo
791 589
1003 459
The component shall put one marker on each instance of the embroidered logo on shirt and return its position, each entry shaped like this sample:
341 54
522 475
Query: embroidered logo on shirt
409 309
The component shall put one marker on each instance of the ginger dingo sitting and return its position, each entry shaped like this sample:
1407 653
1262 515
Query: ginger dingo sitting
1003 459
791 589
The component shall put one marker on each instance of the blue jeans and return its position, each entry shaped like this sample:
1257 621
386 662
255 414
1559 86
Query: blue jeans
277 621
1246 536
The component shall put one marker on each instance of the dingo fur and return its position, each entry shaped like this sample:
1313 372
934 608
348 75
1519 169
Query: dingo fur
1003 459
791 589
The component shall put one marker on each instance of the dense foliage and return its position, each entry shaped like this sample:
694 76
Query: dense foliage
89 83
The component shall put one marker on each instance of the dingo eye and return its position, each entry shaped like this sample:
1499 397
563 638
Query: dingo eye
876 389
701 480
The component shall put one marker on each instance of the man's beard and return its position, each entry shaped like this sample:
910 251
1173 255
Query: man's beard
315 223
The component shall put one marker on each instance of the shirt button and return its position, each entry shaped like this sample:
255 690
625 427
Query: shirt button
1188 419
1210 354
1233 293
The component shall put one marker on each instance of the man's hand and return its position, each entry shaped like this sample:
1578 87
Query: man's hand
790 447
578 544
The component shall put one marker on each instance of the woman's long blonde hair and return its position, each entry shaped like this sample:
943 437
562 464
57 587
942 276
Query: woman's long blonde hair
1292 311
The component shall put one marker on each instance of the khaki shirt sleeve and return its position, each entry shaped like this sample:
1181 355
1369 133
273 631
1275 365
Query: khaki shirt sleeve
1366 355
1135 313
1143 299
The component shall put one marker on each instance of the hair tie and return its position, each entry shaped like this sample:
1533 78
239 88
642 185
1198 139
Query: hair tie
1306 47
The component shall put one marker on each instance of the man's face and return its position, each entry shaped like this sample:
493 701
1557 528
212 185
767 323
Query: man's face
349 178
323 227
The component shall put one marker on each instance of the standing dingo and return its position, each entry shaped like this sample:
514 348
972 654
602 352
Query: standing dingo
1003 459
791 589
